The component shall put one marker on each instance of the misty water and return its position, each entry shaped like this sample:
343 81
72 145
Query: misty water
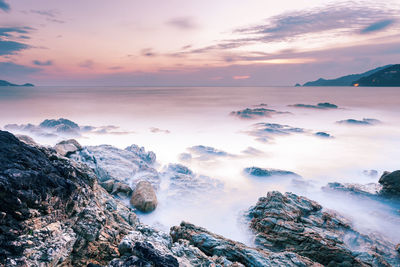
173 121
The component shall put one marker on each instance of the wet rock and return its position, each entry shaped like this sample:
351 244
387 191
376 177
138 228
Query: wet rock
117 188
292 223
53 211
129 165
390 182
144 197
67 147
253 113
370 190
237 254
260 172
323 135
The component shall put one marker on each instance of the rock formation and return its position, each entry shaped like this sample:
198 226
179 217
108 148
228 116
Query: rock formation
144 198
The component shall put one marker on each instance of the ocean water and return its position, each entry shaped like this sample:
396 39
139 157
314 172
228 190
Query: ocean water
173 121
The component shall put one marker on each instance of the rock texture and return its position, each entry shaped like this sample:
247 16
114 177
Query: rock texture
144 198
52 210
260 172
234 253
390 182
129 165
292 223
67 147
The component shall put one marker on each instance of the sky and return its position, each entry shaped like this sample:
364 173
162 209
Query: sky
194 43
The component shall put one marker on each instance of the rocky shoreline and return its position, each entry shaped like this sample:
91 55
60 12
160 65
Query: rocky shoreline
62 206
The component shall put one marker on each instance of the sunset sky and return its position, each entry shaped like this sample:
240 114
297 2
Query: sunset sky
194 43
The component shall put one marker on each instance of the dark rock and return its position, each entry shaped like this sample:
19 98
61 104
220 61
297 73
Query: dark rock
325 105
5 83
253 113
52 210
359 122
390 182
323 135
237 253
260 172
294 223
144 197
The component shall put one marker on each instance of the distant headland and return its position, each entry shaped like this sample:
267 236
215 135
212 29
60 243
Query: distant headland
388 75
5 83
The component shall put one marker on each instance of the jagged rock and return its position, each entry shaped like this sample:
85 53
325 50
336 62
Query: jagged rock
290 222
52 211
236 253
370 190
129 165
390 182
144 197
26 139
67 147
260 172
117 188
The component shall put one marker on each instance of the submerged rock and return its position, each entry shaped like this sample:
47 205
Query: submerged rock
294 223
370 173
235 253
67 147
390 182
253 113
144 197
260 172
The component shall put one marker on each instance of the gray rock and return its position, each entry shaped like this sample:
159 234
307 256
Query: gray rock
260 172
144 197
67 147
292 223
237 254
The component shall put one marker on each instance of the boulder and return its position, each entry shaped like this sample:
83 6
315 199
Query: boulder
287 222
67 147
390 182
144 197
117 188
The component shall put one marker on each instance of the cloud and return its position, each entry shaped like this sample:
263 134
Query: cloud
243 77
342 17
86 64
158 130
4 6
10 69
50 15
148 52
378 26
11 47
183 23
42 63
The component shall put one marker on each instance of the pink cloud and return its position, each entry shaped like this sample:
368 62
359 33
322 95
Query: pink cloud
243 77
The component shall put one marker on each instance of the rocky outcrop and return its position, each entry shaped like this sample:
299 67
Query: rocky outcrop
144 197
390 182
233 253
52 210
260 172
129 165
67 147
292 223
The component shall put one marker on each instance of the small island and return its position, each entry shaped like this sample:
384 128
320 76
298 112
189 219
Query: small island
5 83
